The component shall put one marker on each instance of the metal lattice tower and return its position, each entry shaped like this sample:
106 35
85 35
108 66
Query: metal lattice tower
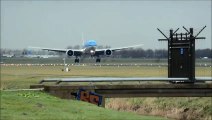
181 53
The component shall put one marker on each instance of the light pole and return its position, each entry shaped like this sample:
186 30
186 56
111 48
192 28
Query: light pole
66 69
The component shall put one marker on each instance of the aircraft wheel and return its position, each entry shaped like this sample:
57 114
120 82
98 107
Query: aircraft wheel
76 60
98 60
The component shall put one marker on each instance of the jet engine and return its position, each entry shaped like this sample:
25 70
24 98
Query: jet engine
108 52
69 52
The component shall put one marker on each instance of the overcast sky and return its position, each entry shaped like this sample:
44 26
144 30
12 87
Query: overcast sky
58 24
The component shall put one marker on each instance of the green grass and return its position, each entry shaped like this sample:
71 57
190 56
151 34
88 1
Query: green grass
29 105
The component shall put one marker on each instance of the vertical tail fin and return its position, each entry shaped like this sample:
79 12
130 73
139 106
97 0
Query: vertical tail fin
83 41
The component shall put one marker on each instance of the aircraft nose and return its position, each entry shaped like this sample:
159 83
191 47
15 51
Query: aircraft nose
92 52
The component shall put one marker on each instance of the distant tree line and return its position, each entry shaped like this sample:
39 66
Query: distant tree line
128 53
158 53
200 53
141 53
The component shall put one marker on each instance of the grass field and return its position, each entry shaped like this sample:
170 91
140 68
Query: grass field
38 105
25 105
23 76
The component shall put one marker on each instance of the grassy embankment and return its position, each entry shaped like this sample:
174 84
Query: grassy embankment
25 105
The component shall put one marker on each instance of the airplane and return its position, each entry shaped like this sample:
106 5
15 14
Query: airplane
89 48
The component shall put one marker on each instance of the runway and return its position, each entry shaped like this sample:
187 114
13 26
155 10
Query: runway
105 64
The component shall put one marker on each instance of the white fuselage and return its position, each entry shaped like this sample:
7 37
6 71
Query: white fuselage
89 50
90 47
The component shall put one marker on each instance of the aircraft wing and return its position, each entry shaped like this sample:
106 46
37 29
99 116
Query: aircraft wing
50 49
76 52
55 49
121 48
110 50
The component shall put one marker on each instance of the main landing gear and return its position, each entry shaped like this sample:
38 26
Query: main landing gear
98 60
76 60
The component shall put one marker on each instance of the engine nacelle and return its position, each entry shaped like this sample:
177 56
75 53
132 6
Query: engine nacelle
108 52
69 52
